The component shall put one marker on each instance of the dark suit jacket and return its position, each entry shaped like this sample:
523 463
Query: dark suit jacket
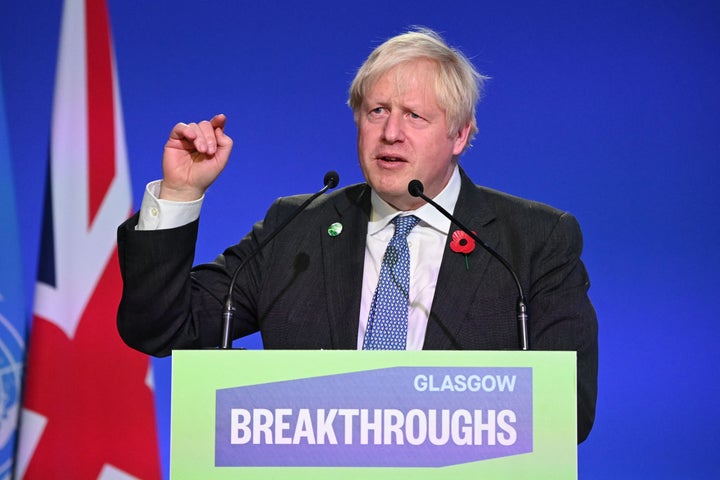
302 291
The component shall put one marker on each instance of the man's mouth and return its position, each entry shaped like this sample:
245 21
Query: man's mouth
387 158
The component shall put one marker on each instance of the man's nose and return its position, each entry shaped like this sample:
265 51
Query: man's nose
393 130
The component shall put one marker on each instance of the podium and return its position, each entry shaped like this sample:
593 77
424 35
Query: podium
340 414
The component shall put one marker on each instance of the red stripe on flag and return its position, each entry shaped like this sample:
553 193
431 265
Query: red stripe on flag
101 121
92 391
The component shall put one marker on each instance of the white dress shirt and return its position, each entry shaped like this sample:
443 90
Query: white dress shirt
426 243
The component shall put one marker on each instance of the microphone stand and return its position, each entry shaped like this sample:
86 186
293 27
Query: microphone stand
331 180
415 188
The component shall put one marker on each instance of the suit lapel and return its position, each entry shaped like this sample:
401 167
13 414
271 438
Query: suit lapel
458 282
343 262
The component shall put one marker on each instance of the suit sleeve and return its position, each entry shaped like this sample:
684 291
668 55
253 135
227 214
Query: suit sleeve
168 304
561 313
155 313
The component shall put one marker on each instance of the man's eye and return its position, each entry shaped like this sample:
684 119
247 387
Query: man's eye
414 116
377 111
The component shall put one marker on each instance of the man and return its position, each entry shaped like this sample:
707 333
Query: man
320 282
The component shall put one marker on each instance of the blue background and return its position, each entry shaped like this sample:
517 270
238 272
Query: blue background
606 109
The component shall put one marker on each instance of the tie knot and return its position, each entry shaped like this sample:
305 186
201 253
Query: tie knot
403 225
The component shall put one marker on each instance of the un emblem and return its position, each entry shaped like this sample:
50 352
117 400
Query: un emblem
11 358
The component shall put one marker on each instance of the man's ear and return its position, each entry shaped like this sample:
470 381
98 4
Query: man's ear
461 139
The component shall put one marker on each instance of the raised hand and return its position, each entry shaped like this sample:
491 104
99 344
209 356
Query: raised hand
194 156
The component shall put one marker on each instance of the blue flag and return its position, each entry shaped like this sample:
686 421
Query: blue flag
12 305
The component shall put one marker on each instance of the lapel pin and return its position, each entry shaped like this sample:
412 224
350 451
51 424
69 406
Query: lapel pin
462 243
335 229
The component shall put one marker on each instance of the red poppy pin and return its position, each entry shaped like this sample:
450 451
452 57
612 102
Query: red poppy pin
462 243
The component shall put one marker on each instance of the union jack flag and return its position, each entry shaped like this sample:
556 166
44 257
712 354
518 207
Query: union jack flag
88 409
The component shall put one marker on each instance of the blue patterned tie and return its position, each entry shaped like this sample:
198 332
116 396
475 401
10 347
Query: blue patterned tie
388 320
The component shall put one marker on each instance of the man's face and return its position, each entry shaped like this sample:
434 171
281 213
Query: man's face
403 135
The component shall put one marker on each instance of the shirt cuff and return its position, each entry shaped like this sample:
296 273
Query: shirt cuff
158 214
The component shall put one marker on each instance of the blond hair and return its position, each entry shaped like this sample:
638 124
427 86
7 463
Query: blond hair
458 85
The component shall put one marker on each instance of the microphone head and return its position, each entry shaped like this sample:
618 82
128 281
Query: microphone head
415 188
331 179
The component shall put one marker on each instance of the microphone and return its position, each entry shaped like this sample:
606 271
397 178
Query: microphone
331 180
415 188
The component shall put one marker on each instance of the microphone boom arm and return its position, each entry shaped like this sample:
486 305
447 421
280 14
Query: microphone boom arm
415 188
331 180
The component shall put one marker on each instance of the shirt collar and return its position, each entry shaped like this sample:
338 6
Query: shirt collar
382 212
